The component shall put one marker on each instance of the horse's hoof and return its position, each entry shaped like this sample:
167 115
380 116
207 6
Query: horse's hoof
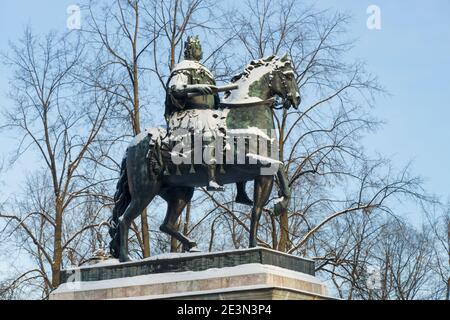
124 258
253 244
244 200
190 247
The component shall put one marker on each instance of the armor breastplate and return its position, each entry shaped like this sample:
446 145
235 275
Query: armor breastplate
199 76
190 73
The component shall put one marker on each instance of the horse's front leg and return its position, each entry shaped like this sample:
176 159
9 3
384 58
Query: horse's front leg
284 192
262 190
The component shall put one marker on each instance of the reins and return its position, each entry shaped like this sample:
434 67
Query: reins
268 102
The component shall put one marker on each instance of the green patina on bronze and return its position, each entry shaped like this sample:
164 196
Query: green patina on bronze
244 117
256 115
199 76
260 88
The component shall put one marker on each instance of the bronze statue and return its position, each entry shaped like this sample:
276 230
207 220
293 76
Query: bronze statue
149 169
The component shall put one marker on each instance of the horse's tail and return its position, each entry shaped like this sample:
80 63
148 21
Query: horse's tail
122 199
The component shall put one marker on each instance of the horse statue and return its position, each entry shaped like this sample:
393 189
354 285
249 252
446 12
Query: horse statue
148 168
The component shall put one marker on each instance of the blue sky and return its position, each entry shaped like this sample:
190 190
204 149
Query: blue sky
410 54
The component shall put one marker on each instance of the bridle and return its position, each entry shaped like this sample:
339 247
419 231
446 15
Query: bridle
271 102
286 94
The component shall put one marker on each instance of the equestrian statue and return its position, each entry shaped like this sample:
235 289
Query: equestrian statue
207 143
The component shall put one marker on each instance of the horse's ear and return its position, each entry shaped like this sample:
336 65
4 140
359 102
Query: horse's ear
285 58
269 58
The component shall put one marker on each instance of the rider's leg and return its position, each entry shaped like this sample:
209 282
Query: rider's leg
241 196
213 185
210 161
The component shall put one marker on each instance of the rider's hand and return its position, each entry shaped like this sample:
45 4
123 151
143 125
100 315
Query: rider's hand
204 89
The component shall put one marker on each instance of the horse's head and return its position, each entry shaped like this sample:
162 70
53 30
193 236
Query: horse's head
283 82
264 78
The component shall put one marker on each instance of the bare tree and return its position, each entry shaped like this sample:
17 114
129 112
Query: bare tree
54 117
378 257
438 220
116 31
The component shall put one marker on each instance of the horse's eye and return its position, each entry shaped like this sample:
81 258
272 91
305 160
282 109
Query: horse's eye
289 74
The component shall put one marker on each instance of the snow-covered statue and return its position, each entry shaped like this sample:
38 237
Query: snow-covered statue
244 119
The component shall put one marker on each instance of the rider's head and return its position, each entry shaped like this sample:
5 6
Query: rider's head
193 49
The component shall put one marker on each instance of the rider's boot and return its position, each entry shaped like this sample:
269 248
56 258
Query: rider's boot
241 196
213 185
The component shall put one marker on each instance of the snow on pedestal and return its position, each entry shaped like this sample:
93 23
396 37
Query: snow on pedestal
265 280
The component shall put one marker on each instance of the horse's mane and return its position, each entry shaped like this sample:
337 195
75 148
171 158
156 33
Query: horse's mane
274 60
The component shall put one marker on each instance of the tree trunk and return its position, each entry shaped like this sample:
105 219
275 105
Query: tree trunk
187 220
145 234
284 232
173 240
57 246
448 248
137 129
274 232
283 244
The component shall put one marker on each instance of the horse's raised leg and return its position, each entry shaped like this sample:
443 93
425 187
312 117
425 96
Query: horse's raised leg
284 192
177 198
133 211
262 190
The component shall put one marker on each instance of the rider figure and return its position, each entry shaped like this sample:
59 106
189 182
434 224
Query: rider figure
191 86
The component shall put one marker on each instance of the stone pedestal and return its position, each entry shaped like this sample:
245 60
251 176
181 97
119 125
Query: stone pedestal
256 273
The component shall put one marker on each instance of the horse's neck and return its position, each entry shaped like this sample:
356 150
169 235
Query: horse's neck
252 88
259 88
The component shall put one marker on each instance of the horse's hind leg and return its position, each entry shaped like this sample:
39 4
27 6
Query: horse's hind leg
133 211
177 199
263 188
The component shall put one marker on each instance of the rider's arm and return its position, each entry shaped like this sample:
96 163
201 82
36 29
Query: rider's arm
179 87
